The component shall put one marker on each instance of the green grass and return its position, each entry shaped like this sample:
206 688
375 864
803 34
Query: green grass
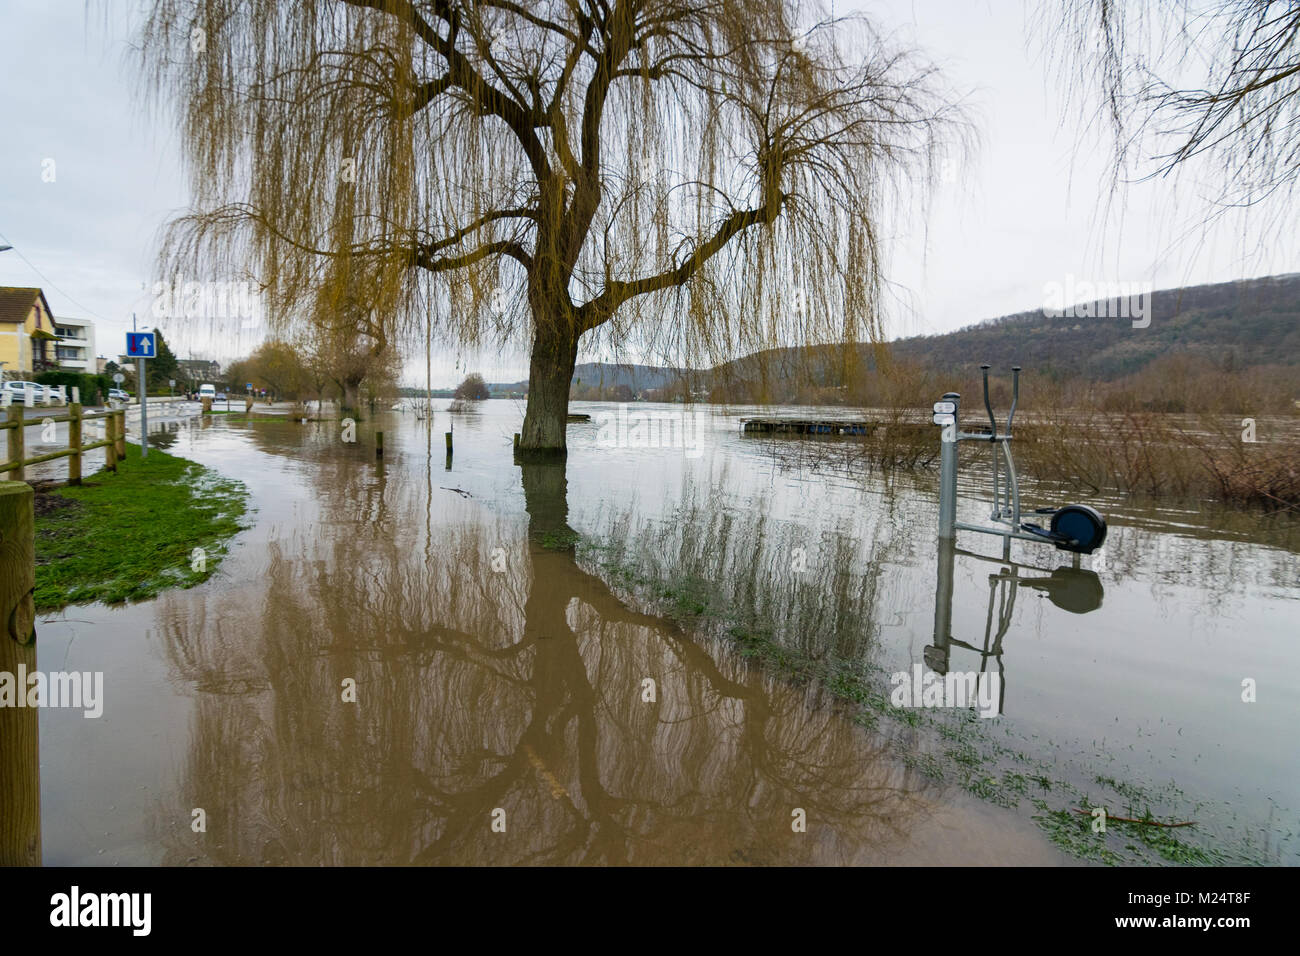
559 540
127 536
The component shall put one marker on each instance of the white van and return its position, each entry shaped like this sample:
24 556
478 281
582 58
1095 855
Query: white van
207 391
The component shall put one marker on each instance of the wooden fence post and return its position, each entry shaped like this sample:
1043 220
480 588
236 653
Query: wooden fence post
110 435
74 443
20 779
17 473
121 434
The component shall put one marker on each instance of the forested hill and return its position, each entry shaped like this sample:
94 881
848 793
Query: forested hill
1233 324
1255 322
602 377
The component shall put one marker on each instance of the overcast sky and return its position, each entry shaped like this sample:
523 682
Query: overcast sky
1022 213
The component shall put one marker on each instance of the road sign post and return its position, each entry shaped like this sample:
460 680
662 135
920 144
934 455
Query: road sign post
141 346
144 408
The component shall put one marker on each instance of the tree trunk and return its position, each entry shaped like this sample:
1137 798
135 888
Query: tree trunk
555 350
351 399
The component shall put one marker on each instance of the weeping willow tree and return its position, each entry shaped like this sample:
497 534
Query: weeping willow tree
683 179
1206 87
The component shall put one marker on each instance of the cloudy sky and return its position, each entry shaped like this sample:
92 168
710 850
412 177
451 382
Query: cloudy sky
88 180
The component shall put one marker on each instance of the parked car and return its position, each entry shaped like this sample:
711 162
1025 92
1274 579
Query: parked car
19 391
117 395
221 397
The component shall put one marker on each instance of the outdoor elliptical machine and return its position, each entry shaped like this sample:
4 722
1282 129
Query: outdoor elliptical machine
1074 527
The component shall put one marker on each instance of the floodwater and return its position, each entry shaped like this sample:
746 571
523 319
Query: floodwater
468 661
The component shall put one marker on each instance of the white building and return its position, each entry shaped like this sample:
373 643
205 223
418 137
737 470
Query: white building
75 346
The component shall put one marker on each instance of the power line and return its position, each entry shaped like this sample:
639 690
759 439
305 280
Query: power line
45 280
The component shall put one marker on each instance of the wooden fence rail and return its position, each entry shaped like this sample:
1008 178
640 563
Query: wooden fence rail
113 443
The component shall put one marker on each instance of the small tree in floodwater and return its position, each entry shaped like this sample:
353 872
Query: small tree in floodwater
688 178
472 389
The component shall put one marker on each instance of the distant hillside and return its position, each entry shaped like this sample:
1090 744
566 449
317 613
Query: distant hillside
602 375
1253 322
1234 324
1257 321
636 377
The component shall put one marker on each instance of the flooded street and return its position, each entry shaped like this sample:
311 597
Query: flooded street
527 686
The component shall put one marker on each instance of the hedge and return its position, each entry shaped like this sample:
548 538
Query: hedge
89 384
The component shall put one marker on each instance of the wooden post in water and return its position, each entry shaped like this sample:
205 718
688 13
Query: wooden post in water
20 780
379 444
74 442
17 473
516 441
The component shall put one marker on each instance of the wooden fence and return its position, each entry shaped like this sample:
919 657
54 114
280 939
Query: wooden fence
20 789
113 443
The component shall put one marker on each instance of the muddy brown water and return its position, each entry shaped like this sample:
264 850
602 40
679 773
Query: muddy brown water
500 670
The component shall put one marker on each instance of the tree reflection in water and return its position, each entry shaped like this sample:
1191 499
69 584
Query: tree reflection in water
519 689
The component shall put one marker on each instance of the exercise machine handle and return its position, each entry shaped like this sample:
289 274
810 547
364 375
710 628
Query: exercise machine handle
987 407
1015 395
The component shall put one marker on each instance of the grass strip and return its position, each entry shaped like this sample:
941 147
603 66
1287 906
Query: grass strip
127 536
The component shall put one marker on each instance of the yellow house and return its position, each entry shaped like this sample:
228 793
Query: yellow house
26 330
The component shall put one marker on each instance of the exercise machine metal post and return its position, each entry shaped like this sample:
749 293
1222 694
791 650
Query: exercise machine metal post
1074 527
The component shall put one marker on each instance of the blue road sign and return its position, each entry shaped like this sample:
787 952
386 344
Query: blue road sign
140 345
